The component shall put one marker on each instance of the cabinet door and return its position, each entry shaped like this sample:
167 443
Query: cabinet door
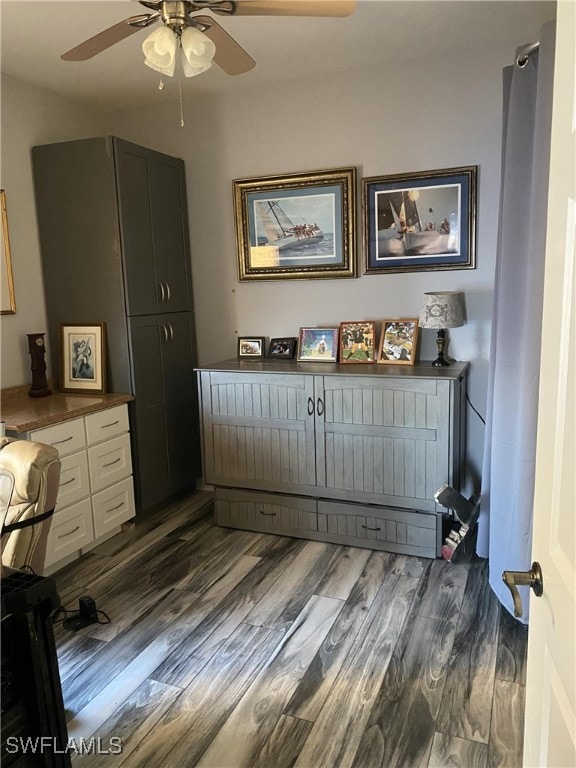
258 430
170 232
384 440
153 224
166 423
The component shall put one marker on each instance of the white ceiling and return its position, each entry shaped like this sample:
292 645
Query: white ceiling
35 32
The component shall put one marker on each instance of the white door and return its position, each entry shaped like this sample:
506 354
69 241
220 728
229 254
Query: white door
550 725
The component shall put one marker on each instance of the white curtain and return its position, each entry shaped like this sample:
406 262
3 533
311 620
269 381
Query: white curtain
505 528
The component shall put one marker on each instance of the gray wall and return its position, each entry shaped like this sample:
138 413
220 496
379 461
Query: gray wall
419 115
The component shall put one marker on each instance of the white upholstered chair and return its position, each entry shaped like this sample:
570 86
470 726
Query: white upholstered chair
35 469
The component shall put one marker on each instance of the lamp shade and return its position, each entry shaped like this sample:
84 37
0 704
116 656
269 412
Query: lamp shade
198 51
443 309
160 51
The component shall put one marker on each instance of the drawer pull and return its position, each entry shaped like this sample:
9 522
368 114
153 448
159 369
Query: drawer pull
118 506
367 528
67 482
66 439
63 535
111 463
267 514
112 424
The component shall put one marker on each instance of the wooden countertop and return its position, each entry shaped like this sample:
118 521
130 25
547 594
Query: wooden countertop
21 413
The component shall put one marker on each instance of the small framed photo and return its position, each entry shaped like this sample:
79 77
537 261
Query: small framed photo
250 347
83 358
282 349
319 345
398 341
357 342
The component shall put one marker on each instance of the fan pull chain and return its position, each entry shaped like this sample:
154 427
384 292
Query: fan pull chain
179 54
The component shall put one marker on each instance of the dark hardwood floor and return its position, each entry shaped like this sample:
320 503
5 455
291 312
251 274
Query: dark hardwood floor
229 648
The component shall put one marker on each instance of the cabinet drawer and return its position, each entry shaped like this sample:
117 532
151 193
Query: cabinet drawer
74 483
71 530
273 513
395 530
113 506
109 462
67 437
105 424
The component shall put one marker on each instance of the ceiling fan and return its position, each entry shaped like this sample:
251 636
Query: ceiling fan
209 40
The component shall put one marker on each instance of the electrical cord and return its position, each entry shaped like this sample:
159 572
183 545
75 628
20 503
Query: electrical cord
68 613
482 419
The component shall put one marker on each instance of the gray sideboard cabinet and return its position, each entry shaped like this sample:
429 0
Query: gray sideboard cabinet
340 453
113 225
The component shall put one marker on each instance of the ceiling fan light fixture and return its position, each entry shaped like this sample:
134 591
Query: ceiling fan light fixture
192 71
160 51
197 48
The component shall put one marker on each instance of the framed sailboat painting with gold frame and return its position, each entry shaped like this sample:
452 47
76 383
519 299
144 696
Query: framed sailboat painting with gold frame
416 222
299 226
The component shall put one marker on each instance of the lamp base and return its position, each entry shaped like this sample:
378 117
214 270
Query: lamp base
440 344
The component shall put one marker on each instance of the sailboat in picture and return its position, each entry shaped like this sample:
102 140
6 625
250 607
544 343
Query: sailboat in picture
407 235
281 232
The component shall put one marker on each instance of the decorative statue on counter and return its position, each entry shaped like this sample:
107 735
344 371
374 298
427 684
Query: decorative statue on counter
37 352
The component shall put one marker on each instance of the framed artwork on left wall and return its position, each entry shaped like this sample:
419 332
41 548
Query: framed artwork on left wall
83 358
8 300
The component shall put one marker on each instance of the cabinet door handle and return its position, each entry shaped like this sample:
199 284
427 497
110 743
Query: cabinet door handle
310 406
111 463
162 292
320 406
367 528
165 331
171 332
69 533
66 439
168 292
67 482
267 514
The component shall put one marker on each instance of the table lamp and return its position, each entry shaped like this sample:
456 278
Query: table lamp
441 310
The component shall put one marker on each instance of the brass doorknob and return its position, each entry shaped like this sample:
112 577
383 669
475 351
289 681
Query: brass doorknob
532 579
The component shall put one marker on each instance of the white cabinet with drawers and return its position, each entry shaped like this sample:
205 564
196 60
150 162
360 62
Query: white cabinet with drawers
96 490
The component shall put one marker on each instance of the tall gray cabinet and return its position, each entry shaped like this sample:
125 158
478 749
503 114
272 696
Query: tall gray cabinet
113 227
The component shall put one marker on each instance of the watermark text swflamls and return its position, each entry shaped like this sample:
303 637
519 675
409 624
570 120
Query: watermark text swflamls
37 745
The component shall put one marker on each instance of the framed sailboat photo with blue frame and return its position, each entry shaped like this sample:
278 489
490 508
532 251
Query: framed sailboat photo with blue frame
417 222
299 226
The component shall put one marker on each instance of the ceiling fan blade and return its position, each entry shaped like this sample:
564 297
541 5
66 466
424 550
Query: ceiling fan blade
108 37
230 56
290 8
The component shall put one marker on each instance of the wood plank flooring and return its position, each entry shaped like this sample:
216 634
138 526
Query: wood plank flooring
235 649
